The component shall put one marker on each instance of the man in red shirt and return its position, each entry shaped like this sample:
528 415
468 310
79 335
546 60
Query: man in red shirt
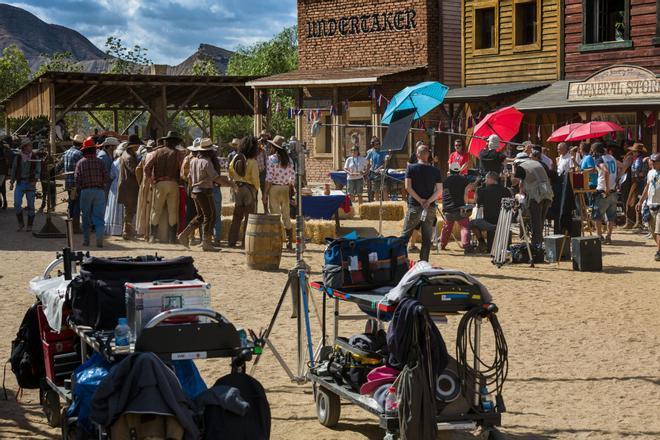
460 156
90 179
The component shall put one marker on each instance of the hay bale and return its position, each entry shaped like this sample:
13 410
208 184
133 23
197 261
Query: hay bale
347 215
227 210
316 231
226 224
392 211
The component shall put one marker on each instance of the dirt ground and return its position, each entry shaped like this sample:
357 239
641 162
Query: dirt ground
584 348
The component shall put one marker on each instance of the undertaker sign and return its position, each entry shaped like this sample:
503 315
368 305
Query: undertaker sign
362 24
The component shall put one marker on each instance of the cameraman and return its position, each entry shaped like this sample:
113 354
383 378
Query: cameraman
489 158
533 181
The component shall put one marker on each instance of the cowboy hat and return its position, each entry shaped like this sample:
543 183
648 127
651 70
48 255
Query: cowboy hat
133 140
235 142
150 144
637 146
520 157
205 144
655 157
26 141
110 142
277 142
79 138
172 135
88 144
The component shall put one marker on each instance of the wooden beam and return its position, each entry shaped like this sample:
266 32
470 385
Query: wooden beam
243 98
123 132
96 120
115 120
149 83
146 106
194 119
51 123
75 101
211 125
178 109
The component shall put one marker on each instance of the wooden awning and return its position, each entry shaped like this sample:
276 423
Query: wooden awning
334 77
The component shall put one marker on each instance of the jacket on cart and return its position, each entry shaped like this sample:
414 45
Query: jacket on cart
142 383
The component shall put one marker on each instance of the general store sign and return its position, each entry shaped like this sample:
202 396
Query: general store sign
401 20
616 82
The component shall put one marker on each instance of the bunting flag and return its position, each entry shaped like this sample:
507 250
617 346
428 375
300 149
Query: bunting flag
651 118
346 105
289 113
640 134
629 134
553 128
318 114
460 125
278 107
469 122
380 100
529 133
538 134
333 111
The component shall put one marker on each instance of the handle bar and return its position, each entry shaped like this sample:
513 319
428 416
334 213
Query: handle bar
173 313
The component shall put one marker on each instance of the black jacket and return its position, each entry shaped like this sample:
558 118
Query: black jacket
142 383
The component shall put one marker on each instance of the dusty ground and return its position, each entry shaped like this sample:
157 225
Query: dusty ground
584 348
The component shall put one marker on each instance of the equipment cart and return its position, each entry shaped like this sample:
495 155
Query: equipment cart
466 402
171 335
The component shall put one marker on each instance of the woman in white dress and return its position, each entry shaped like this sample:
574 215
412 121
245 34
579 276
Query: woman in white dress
114 212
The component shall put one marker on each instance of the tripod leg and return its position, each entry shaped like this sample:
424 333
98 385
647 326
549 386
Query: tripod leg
526 237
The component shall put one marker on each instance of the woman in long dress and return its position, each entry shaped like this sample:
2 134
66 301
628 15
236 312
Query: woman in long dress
114 212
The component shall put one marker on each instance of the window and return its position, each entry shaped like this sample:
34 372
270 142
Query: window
485 27
656 40
606 21
323 142
526 23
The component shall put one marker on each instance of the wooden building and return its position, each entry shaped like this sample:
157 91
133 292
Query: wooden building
611 68
354 56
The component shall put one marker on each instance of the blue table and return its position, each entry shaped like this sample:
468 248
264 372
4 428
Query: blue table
322 207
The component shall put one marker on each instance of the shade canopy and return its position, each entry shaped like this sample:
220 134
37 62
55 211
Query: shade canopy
592 130
422 98
504 122
560 134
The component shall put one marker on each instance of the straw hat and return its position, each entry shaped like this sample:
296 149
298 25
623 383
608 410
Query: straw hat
639 147
110 142
79 138
235 142
521 157
278 142
205 144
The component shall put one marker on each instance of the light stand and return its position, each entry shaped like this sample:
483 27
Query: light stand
49 230
383 174
297 284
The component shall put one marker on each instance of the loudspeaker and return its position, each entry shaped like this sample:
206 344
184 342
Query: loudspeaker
452 397
553 245
587 254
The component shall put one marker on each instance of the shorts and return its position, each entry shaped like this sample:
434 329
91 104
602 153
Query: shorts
654 221
604 207
354 187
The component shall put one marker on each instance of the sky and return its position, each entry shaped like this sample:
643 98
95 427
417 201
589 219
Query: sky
170 29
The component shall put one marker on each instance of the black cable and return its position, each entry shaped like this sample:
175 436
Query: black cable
491 374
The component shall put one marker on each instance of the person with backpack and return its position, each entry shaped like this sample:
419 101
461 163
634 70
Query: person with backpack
244 171
25 170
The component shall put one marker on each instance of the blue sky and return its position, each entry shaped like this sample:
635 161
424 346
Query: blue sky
171 29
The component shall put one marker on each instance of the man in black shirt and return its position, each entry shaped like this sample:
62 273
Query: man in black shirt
453 206
489 158
490 198
424 186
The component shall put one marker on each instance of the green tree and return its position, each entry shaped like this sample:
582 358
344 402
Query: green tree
125 60
58 62
14 71
205 67
278 55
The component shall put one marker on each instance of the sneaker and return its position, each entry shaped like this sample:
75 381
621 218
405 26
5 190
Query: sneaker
608 240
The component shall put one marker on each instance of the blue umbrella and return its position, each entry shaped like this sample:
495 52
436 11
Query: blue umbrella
421 98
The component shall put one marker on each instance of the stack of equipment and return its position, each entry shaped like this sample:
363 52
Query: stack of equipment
553 247
587 254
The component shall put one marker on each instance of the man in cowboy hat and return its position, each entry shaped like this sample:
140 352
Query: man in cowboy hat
91 178
202 178
651 195
25 171
128 186
163 170
534 184
68 166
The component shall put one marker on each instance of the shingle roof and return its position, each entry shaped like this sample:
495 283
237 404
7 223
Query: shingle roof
489 91
328 77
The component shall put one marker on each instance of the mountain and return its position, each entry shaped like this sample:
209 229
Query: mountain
36 37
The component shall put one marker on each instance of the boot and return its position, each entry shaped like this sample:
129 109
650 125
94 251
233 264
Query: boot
638 222
76 225
172 238
129 232
30 223
184 236
207 246
153 233
21 224
289 239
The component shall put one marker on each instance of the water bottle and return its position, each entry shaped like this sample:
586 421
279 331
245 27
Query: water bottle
391 402
242 335
423 216
122 333
486 403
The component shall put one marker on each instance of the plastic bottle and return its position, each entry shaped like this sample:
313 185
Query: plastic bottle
391 402
422 218
486 403
122 333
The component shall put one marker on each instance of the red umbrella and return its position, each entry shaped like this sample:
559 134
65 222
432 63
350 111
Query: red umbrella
504 122
560 134
593 129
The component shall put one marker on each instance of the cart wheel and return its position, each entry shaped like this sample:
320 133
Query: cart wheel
68 425
50 403
328 407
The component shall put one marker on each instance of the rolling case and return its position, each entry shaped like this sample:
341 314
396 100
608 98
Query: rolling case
587 254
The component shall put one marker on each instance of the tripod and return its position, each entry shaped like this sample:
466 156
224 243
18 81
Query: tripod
297 284
500 253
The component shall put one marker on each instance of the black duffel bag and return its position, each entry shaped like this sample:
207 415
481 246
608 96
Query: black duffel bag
520 254
97 294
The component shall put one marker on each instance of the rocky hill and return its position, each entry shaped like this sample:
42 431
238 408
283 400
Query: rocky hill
36 37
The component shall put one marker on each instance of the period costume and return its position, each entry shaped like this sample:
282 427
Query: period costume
128 186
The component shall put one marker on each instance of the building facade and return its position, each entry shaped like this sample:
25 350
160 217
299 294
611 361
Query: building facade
354 56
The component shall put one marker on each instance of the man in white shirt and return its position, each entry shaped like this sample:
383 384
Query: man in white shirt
605 203
652 196
564 161
355 168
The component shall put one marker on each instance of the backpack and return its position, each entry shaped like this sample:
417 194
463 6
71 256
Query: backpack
27 357
520 255
240 164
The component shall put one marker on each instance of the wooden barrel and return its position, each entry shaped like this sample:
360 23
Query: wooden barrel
263 242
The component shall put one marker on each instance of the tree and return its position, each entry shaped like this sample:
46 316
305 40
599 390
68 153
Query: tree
14 71
205 67
278 55
58 62
125 60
